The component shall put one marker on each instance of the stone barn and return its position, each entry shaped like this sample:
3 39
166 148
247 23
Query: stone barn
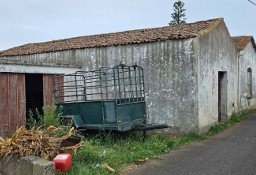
246 68
191 70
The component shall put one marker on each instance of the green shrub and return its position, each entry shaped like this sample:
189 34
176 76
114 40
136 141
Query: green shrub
52 115
34 121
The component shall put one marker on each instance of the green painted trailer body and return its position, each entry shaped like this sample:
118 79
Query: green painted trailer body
104 115
103 99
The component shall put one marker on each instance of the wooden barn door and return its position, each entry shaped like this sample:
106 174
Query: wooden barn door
48 83
48 80
12 102
39 90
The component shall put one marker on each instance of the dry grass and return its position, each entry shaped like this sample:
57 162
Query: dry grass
41 143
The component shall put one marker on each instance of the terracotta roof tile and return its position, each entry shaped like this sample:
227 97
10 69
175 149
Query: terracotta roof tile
183 31
242 41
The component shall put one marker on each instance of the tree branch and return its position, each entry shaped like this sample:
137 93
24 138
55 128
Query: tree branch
252 2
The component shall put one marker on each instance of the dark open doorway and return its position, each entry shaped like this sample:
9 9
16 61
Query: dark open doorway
34 94
222 96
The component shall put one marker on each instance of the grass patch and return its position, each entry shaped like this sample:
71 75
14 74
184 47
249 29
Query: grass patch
189 138
119 151
235 118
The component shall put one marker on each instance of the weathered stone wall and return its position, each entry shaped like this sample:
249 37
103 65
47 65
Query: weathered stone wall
170 75
63 58
181 76
216 52
247 59
31 165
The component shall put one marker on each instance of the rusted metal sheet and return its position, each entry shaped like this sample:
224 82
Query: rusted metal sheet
59 83
4 104
48 88
21 96
12 103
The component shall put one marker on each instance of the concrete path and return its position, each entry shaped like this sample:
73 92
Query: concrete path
232 152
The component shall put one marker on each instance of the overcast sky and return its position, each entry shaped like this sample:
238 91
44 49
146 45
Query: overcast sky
29 21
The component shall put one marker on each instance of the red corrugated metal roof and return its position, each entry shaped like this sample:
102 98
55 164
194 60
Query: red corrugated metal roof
183 31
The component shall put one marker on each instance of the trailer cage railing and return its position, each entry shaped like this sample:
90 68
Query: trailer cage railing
124 84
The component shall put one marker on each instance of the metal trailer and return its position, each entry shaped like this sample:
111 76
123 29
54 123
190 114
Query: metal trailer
109 98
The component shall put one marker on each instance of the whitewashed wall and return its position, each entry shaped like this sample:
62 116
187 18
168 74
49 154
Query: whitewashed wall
247 59
170 78
181 76
170 75
216 52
